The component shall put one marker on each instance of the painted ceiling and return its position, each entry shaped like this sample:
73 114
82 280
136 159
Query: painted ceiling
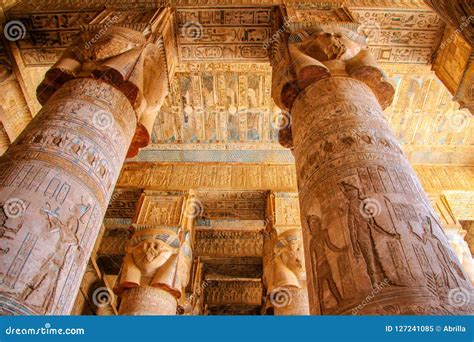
220 108
229 107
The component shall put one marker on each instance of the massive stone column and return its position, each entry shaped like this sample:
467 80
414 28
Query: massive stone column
374 243
283 260
57 178
158 261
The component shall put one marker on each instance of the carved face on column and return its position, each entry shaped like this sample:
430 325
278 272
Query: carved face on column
310 54
292 256
330 43
150 255
289 249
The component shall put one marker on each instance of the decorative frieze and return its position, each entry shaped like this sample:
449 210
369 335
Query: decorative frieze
228 243
233 292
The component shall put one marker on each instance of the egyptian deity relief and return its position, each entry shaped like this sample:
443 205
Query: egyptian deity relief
285 274
159 255
132 61
156 257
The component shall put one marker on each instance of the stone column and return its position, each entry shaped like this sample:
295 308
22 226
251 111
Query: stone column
283 261
375 245
158 261
57 177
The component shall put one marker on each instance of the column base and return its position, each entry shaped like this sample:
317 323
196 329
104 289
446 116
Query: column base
147 301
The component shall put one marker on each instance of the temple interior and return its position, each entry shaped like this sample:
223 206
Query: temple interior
237 157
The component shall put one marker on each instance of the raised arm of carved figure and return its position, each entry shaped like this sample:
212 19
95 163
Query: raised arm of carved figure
331 246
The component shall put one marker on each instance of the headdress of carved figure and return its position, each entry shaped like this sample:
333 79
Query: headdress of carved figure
289 268
123 57
304 56
156 257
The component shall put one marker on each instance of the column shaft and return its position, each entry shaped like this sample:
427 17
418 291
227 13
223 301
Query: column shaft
374 243
55 184
371 226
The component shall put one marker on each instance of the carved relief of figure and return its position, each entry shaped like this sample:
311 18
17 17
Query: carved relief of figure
322 271
362 228
445 261
41 291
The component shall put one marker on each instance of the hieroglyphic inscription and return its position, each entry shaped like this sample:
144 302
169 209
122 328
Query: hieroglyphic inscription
224 34
228 243
208 176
